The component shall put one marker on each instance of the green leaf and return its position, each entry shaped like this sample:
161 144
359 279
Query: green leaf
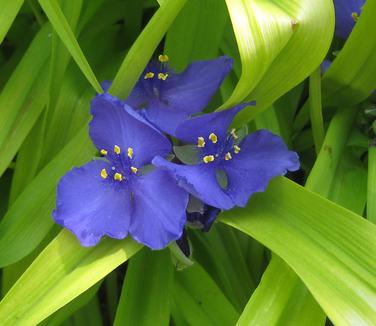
200 300
280 44
319 240
196 32
61 272
8 12
146 291
62 28
371 187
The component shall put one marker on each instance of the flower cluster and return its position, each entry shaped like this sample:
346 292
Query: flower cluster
137 187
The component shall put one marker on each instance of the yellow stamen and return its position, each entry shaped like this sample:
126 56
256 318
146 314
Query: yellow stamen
163 58
162 76
236 149
118 176
103 152
149 75
134 170
104 173
355 16
117 149
228 156
200 142
233 133
213 137
208 158
130 152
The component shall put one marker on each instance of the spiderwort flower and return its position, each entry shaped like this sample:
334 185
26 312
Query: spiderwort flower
347 14
167 98
248 165
112 196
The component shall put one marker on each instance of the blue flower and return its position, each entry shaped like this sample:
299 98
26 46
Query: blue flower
347 14
113 196
166 98
228 171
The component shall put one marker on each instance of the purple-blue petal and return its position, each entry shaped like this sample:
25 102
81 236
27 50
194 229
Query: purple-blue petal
192 90
159 205
344 20
114 123
263 156
204 125
325 66
164 117
199 180
92 207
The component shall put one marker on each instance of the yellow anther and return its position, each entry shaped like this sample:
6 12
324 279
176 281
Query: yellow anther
149 75
130 152
117 149
104 174
162 76
213 137
200 142
228 156
134 170
118 176
208 158
233 133
236 149
163 58
355 16
103 152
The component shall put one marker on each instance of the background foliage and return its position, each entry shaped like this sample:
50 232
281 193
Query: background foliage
295 256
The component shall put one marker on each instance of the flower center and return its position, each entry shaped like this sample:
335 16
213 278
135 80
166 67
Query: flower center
215 150
122 164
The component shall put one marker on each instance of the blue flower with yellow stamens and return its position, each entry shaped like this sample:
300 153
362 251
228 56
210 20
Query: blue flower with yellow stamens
347 14
114 196
166 98
228 170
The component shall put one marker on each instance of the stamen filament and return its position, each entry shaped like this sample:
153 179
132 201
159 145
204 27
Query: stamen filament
236 149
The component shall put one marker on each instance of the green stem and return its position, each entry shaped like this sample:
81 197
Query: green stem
371 187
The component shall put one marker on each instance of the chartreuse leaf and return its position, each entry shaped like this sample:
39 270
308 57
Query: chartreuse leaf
352 76
63 271
291 300
62 28
280 44
9 11
200 299
319 240
141 51
146 291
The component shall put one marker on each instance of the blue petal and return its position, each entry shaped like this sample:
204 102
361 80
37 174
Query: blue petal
204 125
163 117
159 206
117 124
263 156
192 90
344 20
199 180
90 206
325 66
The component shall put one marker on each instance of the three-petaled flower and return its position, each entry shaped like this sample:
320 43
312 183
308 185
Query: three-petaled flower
247 165
113 196
166 98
